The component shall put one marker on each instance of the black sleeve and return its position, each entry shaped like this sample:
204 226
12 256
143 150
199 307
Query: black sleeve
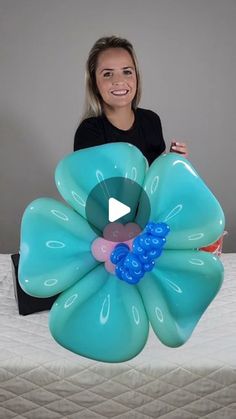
157 143
88 134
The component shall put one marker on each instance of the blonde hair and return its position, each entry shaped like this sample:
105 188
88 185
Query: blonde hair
93 101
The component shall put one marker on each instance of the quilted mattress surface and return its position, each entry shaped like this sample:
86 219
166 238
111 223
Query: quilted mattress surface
41 380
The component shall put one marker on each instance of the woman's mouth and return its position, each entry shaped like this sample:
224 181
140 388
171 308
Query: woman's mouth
120 92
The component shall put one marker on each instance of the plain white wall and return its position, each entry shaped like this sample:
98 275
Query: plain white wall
186 50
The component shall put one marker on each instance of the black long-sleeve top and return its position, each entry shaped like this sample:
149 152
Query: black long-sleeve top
146 133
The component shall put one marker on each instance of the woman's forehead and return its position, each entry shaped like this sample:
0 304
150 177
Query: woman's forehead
113 58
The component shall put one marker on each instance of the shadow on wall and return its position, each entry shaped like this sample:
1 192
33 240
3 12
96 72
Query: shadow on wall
25 176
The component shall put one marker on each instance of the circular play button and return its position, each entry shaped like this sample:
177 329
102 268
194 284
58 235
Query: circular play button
118 209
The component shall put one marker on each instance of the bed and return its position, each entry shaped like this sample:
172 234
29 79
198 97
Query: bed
39 379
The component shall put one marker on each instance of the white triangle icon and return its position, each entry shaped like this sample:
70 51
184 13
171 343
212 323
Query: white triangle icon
117 210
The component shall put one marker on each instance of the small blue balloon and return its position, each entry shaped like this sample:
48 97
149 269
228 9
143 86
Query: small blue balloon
157 242
161 230
138 273
120 271
150 227
137 249
144 258
154 253
131 261
147 267
135 262
119 252
145 241
127 277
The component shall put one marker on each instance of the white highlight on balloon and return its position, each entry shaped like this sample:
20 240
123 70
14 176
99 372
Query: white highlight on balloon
136 314
55 244
105 310
154 184
50 282
99 176
195 261
196 236
134 173
102 183
78 198
70 300
188 167
174 286
60 215
159 314
176 210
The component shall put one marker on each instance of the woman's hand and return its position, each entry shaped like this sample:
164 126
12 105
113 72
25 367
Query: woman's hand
181 148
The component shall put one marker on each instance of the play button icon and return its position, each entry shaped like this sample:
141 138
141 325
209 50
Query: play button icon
116 204
117 210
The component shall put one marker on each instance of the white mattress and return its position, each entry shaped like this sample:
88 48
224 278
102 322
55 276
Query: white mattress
41 380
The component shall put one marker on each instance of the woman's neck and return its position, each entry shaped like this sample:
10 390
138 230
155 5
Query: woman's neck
121 118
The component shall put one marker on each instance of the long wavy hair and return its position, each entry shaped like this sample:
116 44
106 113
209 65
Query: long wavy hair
93 100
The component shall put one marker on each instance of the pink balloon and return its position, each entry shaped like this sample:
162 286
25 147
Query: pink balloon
102 247
110 267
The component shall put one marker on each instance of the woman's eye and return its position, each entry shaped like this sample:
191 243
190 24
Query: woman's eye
127 72
107 74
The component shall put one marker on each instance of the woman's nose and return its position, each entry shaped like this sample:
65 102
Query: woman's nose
118 79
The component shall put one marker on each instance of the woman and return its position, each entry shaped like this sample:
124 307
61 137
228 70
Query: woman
113 91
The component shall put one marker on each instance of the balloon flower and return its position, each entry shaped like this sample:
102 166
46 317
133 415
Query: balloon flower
112 290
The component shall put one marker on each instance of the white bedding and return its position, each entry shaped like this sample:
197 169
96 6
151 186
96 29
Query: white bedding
39 379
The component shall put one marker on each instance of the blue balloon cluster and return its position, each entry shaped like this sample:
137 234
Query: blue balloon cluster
147 246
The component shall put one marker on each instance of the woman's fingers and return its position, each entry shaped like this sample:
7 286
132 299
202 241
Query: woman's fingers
179 147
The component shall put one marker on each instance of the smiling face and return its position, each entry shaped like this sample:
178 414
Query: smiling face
116 78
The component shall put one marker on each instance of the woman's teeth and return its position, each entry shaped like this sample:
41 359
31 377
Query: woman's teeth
119 92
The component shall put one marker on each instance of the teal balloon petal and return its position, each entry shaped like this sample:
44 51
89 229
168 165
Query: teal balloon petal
178 291
100 317
78 173
55 248
179 197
